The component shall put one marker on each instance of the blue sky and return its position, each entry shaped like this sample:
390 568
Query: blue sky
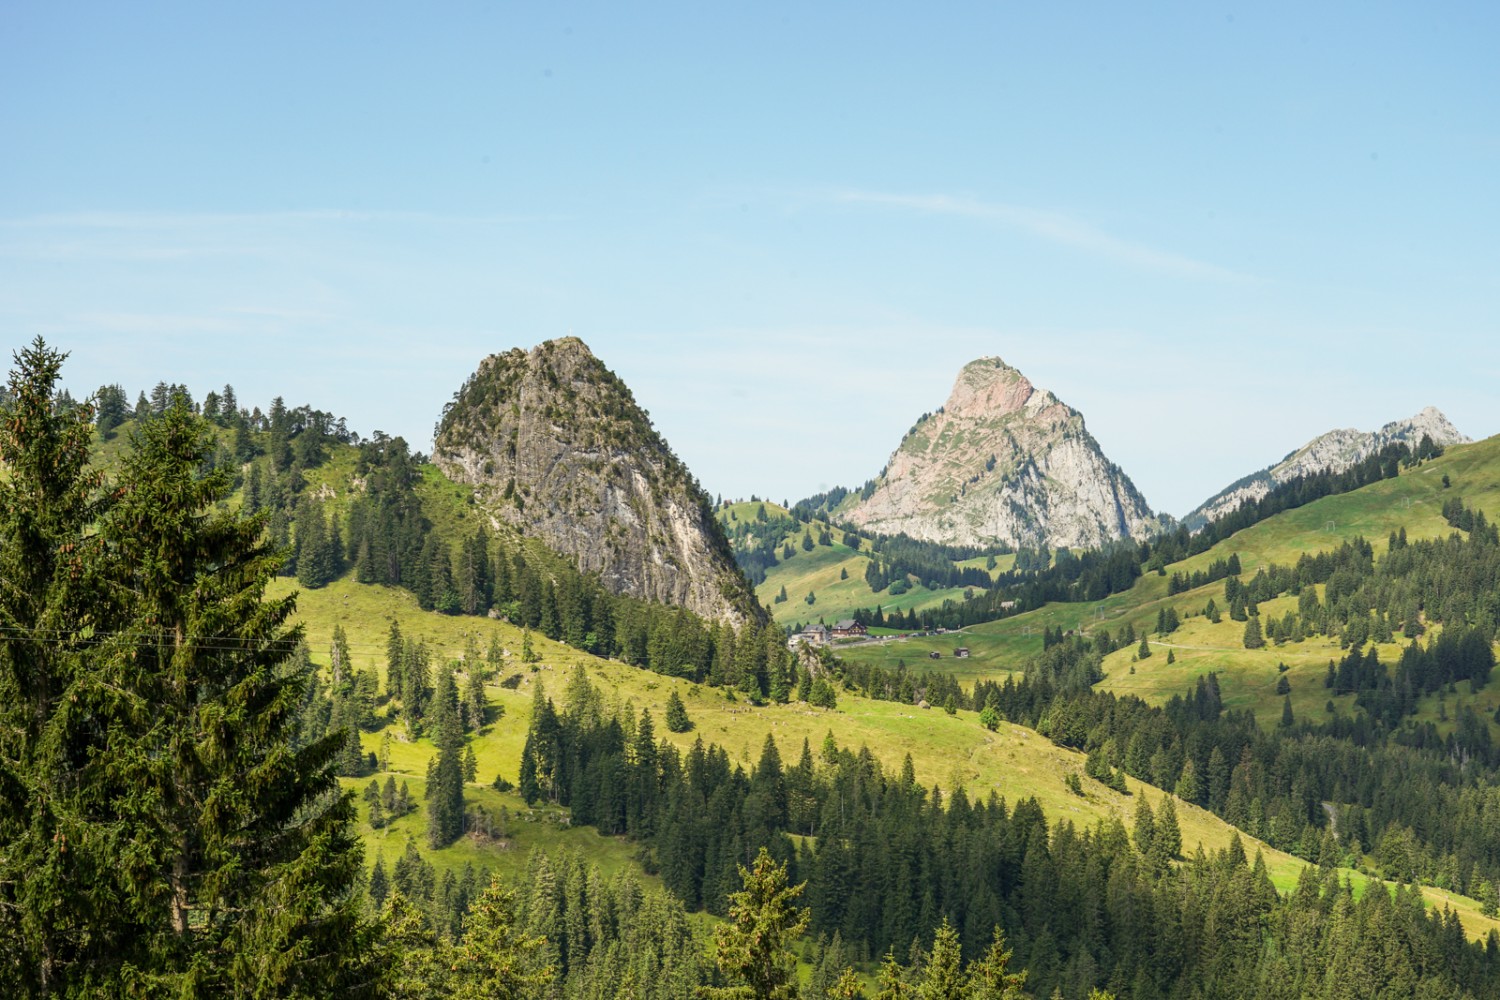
1216 231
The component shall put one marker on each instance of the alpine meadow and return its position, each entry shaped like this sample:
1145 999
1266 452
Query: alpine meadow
292 711
738 502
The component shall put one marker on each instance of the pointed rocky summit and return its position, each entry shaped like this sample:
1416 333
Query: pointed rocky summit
1001 462
555 444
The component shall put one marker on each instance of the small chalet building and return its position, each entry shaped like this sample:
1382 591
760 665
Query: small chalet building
812 635
962 652
848 627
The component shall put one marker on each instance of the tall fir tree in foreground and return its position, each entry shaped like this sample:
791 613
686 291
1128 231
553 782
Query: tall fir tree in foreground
172 840
244 852
49 499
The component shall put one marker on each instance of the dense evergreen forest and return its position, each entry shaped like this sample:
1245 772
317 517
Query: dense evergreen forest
885 861
1423 805
171 820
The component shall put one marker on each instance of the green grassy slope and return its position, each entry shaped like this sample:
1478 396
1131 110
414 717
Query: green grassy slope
818 572
1412 501
946 750
1247 678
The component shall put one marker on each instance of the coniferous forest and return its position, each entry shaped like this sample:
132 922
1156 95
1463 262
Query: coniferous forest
173 820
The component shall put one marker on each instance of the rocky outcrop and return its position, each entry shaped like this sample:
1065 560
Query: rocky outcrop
554 443
1332 452
1001 462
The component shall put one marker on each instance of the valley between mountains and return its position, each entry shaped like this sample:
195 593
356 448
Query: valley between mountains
987 688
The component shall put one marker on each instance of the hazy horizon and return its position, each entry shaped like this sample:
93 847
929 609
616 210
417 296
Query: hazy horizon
422 441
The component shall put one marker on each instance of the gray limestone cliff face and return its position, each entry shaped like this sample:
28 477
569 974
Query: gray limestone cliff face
554 443
1334 451
1002 461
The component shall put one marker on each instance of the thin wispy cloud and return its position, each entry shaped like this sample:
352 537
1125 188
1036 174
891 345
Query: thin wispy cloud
1053 227
147 221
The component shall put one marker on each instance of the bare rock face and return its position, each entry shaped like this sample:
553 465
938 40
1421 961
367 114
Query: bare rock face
1002 461
555 444
1332 452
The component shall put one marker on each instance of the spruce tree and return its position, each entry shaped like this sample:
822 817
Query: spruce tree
1253 638
249 861
942 976
48 588
474 705
1168 835
232 863
677 717
380 883
823 694
445 790
990 977
496 959
1189 789
892 981
527 784
394 647
753 948
1145 826
317 562
846 987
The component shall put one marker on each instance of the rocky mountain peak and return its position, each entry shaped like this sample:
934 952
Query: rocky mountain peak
990 387
554 443
1001 462
1429 421
1333 451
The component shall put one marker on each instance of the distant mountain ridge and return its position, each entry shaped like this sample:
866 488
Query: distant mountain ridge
1335 451
557 446
1001 462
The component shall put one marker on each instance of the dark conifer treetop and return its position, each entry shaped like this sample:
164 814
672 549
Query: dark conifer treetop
181 844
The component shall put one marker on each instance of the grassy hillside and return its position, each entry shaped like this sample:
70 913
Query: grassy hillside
986 658
834 574
946 750
1247 678
1412 501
